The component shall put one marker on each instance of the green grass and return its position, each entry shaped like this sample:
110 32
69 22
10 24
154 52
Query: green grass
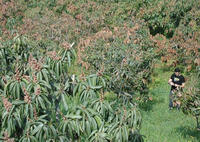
162 125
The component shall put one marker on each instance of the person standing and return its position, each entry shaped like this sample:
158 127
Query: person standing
177 82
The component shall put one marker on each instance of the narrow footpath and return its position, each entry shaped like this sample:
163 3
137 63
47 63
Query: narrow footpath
159 124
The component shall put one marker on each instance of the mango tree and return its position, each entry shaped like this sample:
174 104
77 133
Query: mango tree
38 88
191 98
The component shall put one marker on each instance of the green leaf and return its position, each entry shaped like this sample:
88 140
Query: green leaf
30 86
18 102
95 87
73 116
60 67
31 110
18 90
77 129
45 74
88 127
69 58
98 120
11 111
4 115
37 129
103 81
101 126
17 118
57 85
45 66
102 135
41 102
83 122
93 111
26 109
113 127
125 131
92 134
64 126
44 83
67 85
10 86
64 54
92 75
53 130
33 139
57 70
64 102
39 75
94 124
43 116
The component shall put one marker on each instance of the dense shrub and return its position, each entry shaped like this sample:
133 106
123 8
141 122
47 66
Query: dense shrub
116 41
191 98
125 55
35 88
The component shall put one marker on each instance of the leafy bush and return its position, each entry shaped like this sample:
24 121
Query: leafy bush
127 59
191 98
36 87
116 40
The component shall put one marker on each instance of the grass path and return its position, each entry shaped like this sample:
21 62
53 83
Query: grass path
162 125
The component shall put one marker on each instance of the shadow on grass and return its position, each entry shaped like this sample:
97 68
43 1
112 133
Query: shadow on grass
148 106
187 132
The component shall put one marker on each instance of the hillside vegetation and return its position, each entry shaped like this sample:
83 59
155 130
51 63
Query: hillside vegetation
79 70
